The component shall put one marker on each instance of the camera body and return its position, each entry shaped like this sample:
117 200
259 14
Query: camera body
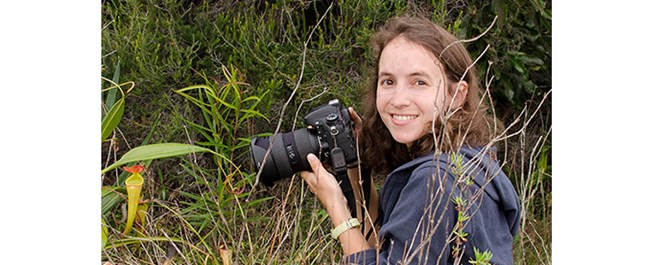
334 128
329 135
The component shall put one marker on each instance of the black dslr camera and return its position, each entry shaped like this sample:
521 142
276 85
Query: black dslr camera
329 135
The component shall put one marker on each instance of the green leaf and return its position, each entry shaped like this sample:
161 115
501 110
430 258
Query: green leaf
111 197
539 7
532 60
252 113
509 93
518 65
110 98
104 233
155 151
258 201
112 118
192 87
542 160
223 102
139 240
106 190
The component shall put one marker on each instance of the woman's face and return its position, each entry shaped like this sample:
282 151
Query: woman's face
410 89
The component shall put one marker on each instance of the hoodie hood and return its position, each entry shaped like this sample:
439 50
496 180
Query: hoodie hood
487 173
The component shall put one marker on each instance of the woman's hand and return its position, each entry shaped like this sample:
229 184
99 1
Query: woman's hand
327 189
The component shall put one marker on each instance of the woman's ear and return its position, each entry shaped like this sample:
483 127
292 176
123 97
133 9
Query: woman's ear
458 94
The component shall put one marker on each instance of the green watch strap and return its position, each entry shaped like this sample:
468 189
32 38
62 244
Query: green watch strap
345 226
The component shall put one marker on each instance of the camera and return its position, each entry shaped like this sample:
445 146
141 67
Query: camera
329 135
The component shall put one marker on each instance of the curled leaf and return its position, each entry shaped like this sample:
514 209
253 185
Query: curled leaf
133 189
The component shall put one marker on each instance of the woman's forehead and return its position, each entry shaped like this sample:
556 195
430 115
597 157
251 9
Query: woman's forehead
401 55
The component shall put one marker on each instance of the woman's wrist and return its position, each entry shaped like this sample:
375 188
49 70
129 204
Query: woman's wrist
352 240
338 210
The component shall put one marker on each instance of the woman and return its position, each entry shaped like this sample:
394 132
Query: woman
445 198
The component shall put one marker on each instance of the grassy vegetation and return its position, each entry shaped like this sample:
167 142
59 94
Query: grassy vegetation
215 73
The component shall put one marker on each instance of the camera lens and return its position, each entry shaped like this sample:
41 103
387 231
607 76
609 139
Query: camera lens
288 154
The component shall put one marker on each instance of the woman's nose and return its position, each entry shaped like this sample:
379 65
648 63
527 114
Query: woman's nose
401 97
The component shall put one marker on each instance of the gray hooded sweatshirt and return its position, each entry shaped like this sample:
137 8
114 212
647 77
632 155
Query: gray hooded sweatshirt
419 214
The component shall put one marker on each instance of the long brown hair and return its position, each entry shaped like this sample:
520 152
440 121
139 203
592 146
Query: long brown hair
469 125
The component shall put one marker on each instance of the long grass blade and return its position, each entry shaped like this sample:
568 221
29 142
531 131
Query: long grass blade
112 94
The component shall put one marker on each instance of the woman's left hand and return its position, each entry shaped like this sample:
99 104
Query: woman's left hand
358 123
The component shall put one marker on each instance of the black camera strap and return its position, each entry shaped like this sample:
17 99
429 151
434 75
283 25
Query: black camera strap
338 161
342 176
341 169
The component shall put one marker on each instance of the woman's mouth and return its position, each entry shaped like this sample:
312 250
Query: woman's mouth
404 117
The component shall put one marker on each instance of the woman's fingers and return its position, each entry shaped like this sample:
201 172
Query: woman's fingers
312 177
319 181
357 121
315 164
354 115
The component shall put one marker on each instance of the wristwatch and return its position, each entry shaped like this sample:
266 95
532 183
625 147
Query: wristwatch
345 226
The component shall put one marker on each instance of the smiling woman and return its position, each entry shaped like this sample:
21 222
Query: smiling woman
446 199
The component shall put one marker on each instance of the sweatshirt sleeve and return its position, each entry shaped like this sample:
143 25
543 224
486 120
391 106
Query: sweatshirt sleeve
416 231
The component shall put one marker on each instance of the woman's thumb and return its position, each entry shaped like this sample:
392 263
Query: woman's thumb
314 162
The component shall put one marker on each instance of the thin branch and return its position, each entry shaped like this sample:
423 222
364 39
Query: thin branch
286 104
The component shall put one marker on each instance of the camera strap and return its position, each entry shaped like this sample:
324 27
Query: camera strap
365 192
341 169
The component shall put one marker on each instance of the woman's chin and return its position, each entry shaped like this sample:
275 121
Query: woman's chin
404 139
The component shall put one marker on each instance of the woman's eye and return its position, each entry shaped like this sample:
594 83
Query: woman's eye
420 83
386 82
